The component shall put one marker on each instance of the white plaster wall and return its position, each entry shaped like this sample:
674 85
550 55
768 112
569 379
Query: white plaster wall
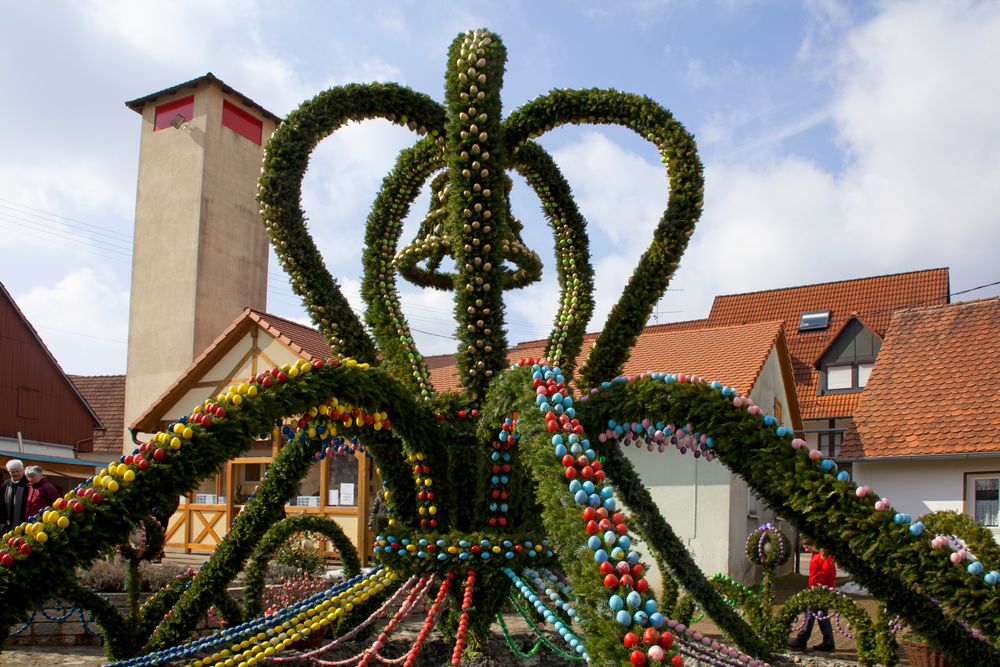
921 486
693 496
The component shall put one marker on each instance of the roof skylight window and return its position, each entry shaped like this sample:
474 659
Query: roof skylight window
814 320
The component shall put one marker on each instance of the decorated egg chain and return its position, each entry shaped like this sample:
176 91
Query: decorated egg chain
266 624
540 587
300 626
641 435
547 614
426 496
631 604
708 650
559 581
500 471
463 621
396 548
30 536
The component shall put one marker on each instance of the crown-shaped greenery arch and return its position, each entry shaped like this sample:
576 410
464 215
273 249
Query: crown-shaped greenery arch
510 483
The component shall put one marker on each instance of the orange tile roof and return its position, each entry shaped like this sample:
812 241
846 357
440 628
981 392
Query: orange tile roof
732 355
302 338
934 388
872 300
106 395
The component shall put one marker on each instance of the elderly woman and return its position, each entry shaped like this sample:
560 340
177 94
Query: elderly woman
13 495
41 492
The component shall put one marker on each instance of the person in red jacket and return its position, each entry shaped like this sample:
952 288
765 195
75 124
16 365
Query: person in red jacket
822 571
41 492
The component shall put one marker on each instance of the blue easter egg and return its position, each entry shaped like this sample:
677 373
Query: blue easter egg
634 600
656 619
991 577
616 603
624 618
975 568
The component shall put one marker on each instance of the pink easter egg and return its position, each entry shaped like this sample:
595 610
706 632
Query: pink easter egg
655 653
956 558
879 505
798 443
815 454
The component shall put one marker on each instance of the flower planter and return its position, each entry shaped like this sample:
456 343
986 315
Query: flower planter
922 655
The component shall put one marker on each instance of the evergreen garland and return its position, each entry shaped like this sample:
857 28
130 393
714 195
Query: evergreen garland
278 534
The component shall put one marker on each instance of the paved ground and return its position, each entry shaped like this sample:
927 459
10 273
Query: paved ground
439 652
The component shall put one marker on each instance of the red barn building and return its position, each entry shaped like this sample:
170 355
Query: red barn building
43 418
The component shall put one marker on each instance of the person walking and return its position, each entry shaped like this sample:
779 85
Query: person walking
41 492
14 496
822 571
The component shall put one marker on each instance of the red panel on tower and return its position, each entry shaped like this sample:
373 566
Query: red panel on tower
165 113
241 122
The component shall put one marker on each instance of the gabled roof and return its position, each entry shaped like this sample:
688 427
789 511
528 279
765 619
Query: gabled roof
106 395
933 391
48 353
139 103
838 332
873 300
302 340
732 355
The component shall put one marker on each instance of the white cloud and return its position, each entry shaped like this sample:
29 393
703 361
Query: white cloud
83 320
617 190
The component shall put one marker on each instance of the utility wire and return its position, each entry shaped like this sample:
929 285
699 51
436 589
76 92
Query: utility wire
36 211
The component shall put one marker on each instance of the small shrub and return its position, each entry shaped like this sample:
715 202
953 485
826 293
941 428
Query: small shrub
155 576
106 575
300 551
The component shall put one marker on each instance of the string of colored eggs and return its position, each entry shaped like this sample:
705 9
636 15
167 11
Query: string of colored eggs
390 547
432 617
580 462
411 584
540 588
392 625
500 470
463 621
558 580
530 622
304 623
547 614
242 631
695 644
427 507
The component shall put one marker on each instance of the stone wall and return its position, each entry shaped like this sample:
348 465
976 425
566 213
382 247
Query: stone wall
74 630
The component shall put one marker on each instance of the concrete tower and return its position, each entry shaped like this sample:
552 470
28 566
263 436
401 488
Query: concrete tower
200 249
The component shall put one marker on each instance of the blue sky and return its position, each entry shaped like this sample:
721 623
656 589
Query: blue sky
840 140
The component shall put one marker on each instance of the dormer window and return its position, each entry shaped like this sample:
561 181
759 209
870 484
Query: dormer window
848 361
814 320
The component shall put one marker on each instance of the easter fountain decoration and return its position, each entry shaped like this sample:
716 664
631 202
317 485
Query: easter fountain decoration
514 489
